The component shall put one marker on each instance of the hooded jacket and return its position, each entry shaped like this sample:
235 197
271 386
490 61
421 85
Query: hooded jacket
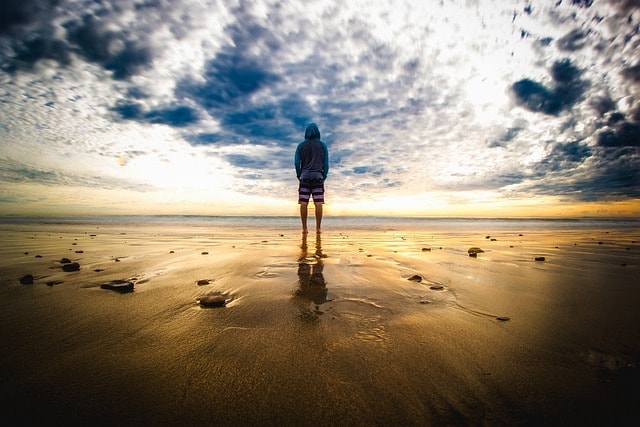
312 156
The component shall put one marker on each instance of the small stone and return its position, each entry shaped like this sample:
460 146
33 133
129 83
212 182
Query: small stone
474 250
79 252
122 286
539 258
38 256
436 287
426 249
204 253
212 301
74 266
503 318
65 261
172 252
27 279
494 240
203 282
54 282
415 278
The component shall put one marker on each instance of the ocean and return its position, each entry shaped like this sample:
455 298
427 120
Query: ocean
377 223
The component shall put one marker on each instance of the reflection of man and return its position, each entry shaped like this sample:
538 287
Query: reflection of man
312 286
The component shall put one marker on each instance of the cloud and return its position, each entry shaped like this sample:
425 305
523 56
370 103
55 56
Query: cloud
19 15
412 98
567 89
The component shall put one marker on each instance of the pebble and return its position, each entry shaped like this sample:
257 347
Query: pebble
415 278
27 279
54 282
539 258
474 250
74 266
204 282
436 287
65 261
503 318
122 286
212 301
426 249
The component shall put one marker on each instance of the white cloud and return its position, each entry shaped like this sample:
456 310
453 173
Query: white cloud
414 98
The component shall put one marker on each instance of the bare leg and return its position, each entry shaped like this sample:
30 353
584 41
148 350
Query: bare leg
303 216
318 217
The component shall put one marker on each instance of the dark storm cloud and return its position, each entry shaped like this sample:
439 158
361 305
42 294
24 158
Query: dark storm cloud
568 88
624 134
586 173
632 73
625 6
174 115
229 79
115 50
34 48
616 173
564 157
97 37
233 76
16 15
602 104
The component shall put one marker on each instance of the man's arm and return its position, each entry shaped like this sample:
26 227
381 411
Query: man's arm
296 162
325 166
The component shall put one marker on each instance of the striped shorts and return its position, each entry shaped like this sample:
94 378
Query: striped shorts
311 188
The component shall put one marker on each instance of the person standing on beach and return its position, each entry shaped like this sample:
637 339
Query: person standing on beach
312 166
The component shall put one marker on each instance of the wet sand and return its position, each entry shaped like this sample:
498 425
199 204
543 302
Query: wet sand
322 331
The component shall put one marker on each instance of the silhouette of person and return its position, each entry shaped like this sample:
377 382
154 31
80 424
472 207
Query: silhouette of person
311 284
312 166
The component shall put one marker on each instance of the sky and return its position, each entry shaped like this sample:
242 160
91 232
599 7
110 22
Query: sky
480 108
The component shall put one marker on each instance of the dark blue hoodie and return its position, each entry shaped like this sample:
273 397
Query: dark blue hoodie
312 156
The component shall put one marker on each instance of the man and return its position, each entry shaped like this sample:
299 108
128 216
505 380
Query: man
312 166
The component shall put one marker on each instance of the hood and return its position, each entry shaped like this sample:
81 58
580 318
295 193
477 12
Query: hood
312 132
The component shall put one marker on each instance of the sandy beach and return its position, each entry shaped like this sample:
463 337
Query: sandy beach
261 325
